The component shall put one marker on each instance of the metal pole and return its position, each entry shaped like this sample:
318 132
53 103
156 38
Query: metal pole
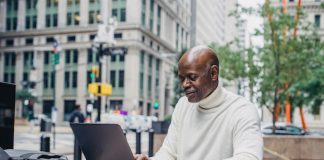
138 141
100 69
77 150
151 142
54 135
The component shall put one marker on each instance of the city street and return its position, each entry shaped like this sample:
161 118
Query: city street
29 139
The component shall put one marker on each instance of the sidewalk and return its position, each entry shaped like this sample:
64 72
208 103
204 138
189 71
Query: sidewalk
28 138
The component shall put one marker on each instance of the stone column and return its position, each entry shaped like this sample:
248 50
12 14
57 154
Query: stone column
59 86
131 79
21 15
84 15
3 14
133 11
61 17
82 78
41 11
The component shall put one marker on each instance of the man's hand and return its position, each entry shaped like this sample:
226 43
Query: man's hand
140 157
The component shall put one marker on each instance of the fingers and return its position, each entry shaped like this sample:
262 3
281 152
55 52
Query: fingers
140 157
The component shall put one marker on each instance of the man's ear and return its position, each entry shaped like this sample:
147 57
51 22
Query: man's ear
214 72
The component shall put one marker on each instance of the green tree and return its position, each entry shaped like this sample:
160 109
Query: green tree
290 63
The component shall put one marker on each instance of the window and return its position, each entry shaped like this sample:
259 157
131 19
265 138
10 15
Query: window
25 76
151 44
71 38
142 57
118 35
51 13
47 107
141 81
10 59
67 56
52 80
67 79
69 106
112 78
31 14
149 85
75 56
118 10
74 79
143 39
121 58
28 58
29 41
90 57
159 21
11 16
143 12
317 21
113 58
48 20
150 61
121 78
92 37
49 40
46 57
114 12
9 42
151 14
123 15
45 80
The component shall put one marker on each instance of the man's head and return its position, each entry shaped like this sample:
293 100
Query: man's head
198 72
77 107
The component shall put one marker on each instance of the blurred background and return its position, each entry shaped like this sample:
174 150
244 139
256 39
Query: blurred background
117 59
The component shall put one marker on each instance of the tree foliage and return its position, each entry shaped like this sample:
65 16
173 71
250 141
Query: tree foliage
289 64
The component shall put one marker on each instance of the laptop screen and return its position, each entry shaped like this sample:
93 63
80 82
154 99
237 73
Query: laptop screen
7 114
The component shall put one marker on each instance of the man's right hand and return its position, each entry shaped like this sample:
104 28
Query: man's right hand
140 157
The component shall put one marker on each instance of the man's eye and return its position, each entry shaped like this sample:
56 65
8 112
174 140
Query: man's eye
192 77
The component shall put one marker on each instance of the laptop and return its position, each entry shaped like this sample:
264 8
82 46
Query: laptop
102 141
7 115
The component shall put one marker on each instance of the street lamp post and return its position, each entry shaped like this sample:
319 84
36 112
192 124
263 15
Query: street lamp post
105 35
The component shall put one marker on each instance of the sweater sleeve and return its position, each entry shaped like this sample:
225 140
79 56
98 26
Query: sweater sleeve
247 137
168 150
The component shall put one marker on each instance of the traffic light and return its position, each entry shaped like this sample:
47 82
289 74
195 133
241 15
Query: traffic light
94 72
156 105
93 88
106 89
100 89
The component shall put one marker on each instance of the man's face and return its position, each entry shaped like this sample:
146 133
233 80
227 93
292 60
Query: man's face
195 78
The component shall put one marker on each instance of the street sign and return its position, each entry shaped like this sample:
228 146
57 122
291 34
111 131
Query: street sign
115 51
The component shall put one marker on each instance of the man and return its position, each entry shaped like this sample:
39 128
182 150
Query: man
209 123
77 115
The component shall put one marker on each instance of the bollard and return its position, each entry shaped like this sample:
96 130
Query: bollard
77 150
45 143
138 141
151 142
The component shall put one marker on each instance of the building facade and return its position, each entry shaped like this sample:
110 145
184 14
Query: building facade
211 23
147 28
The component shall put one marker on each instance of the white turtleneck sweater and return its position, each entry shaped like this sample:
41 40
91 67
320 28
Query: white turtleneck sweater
221 126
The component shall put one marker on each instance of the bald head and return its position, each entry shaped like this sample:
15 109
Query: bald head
198 72
200 55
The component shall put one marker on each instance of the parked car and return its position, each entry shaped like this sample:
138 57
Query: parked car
282 129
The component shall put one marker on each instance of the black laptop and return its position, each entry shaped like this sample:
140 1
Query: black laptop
102 141
7 114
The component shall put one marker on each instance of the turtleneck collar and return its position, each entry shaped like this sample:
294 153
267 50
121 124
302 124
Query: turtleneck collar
214 100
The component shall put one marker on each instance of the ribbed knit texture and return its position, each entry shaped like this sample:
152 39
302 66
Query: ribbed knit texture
221 126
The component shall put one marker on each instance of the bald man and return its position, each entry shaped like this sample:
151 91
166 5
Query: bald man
209 123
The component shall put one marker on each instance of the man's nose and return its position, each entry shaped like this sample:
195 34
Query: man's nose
185 83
